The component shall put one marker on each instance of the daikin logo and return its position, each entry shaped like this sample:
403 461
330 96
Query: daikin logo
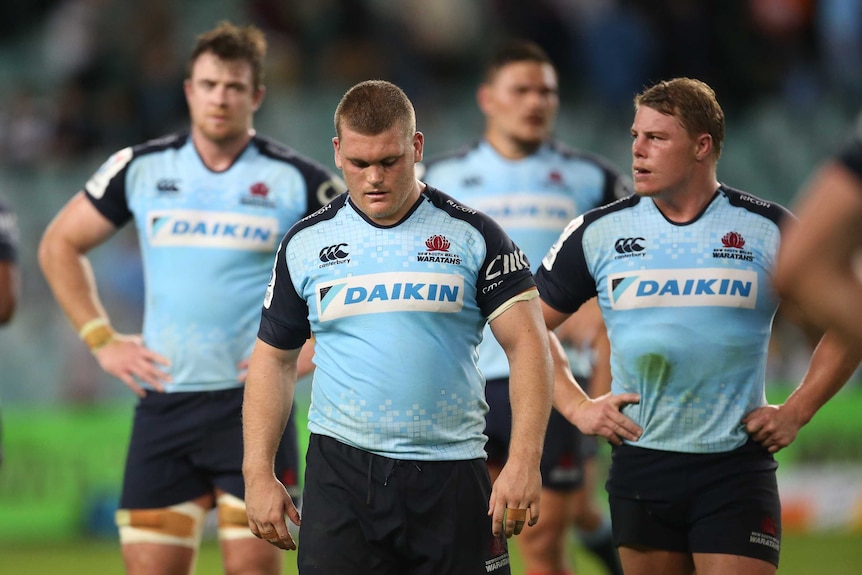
715 287
528 210
390 292
211 230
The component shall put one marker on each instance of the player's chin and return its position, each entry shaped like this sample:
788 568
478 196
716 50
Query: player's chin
532 138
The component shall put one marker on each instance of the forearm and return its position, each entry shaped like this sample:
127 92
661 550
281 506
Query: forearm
530 385
267 402
568 394
831 365
70 277
531 395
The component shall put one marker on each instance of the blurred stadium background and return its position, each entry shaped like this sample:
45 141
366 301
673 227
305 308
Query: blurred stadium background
83 78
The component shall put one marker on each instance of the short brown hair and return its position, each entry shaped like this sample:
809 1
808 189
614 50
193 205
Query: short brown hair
515 51
230 42
692 102
374 106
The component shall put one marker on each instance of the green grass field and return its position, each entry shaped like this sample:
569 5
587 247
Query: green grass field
45 473
832 553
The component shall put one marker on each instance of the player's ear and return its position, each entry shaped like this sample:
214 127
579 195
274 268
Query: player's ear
257 98
418 146
337 151
703 147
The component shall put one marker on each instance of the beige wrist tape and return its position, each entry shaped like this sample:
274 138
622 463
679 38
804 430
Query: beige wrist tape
96 333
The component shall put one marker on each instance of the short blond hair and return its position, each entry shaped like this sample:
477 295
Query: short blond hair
692 102
374 106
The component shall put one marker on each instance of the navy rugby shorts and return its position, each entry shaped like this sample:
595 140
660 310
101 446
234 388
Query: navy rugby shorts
696 502
185 445
366 513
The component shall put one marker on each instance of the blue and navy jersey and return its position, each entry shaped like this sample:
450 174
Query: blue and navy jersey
688 308
532 198
9 234
397 313
207 241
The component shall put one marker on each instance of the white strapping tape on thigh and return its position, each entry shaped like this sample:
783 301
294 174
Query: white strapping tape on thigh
180 524
232 518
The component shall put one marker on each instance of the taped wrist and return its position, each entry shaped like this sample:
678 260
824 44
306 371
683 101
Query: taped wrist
97 333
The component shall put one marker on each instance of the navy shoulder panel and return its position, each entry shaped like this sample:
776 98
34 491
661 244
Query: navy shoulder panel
322 185
176 140
323 214
769 210
452 154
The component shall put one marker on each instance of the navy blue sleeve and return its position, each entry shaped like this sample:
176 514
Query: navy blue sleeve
563 279
284 317
505 272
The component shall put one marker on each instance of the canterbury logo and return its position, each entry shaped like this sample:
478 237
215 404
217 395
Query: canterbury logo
629 245
332 253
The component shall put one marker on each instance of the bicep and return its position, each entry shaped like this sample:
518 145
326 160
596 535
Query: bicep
79 225
519 322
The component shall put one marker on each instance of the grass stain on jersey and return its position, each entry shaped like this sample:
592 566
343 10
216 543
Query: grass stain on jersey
654 368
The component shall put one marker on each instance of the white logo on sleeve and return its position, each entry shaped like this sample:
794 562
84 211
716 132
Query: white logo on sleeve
98 183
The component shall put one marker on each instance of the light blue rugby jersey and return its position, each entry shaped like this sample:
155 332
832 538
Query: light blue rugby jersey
207 241
689 310
533 199
397 313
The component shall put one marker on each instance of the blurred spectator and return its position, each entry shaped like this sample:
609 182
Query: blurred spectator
839 32
27 129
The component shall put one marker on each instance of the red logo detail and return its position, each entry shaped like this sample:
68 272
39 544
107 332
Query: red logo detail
259 189
497 546
733 240
289 477
556 177
768 526
437 244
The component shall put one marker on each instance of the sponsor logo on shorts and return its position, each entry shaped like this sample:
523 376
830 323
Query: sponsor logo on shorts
714 287
500 558
768 534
